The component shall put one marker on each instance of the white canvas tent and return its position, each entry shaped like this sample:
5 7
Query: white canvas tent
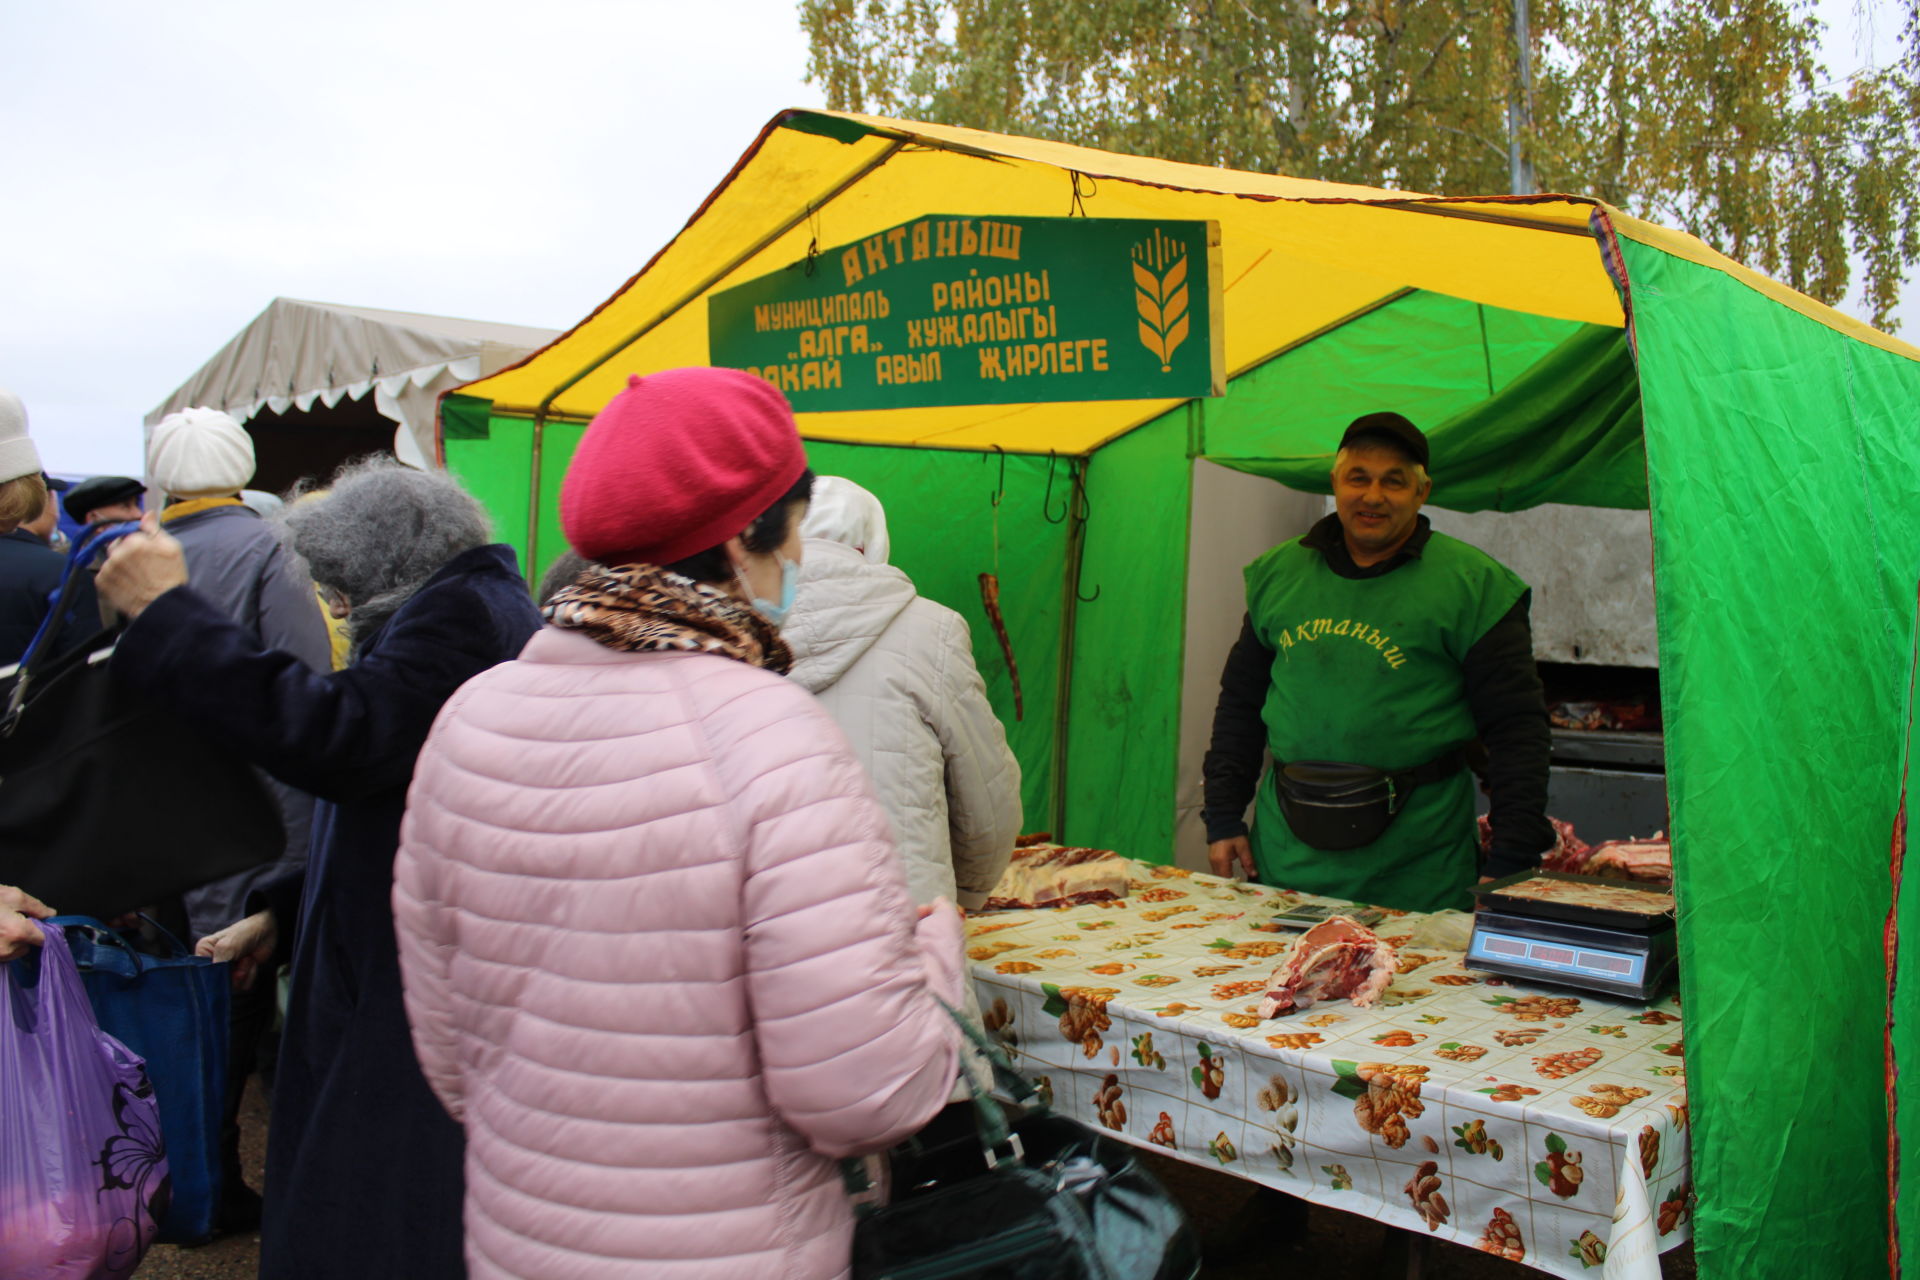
300 364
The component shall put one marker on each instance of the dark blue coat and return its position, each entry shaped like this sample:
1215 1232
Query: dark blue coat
235 562
363 1165
29 570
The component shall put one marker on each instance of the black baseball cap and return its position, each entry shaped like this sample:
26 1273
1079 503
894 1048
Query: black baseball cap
1387 428
100 491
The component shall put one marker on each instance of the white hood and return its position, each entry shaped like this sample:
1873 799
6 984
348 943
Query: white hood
841 511
843 605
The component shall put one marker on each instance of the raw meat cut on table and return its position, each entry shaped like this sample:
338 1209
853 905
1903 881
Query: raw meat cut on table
1051 875
1640 899
1650 860
1569 852
1337 958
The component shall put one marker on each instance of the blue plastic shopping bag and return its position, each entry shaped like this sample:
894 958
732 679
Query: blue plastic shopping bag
170 1009
83 1171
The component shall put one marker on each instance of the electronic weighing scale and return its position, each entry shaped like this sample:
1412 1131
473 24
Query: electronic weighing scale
1308 914
1622 953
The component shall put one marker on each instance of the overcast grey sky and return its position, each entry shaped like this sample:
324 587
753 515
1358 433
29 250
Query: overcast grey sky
171 168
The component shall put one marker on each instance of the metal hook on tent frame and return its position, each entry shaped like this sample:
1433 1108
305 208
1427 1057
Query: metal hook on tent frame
1000 493
813 238
1082 510
1078 208
1046 501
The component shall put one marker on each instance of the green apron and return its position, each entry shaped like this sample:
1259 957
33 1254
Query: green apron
1367 671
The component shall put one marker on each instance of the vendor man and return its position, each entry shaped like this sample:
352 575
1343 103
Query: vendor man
1374 653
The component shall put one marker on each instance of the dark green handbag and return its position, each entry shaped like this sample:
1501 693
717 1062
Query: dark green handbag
1057 1201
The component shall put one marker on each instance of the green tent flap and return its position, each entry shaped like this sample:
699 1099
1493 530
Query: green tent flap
490 458
1129 641
946 530
1903 1003
1566 430
1426 355
464 418
1785 568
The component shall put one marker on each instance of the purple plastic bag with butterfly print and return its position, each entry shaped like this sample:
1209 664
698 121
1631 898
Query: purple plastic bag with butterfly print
83 1173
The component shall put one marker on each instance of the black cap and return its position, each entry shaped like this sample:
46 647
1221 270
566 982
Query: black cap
1391 429
100 491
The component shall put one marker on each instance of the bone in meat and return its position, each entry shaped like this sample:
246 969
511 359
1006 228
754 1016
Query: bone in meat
1338 957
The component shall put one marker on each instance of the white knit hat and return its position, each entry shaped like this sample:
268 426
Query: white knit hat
18 457
199 453
841 511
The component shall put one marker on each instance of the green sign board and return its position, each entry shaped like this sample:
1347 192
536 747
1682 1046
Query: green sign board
948 310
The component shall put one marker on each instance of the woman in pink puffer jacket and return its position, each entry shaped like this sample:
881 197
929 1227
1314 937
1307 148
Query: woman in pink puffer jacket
659 955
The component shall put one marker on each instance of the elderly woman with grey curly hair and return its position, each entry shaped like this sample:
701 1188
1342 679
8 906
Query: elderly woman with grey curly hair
363 1165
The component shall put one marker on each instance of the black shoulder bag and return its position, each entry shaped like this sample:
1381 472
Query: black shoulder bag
1057 1201
108 804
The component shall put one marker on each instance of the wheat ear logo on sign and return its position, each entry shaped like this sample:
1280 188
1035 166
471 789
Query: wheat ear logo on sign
1160 294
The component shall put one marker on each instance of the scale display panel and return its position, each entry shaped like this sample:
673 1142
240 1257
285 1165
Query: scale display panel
1635 965
1553 959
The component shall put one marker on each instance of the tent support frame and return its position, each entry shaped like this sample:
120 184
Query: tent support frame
666 313
1077 511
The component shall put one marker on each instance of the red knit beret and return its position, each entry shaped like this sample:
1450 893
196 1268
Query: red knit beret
680 461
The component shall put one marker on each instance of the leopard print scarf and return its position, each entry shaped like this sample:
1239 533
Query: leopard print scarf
642 606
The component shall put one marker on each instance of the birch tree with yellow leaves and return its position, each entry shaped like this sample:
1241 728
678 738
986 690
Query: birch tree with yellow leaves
1714 117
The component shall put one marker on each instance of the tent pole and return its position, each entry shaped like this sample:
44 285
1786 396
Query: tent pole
1432 209
1069 622
732 264
540 413
533 495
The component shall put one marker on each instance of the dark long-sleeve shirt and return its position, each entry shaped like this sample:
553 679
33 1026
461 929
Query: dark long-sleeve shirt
1503 695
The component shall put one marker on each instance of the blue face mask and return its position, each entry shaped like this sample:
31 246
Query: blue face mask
773 611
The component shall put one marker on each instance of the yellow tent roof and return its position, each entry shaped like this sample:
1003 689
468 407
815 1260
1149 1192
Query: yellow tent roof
1297 258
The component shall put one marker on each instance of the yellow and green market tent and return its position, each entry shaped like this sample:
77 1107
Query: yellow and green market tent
1556 350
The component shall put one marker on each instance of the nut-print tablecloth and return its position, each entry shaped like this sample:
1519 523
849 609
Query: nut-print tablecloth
1546 1126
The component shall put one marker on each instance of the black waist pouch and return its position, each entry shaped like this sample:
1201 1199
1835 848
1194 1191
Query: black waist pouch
1335 806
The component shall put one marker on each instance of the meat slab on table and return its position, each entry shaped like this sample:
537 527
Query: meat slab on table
1650 859
1051 875
1334 959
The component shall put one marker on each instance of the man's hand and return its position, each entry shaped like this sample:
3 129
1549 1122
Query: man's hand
18 911
141 568
1222 854
246 945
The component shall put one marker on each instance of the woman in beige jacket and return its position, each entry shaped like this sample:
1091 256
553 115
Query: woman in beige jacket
896 671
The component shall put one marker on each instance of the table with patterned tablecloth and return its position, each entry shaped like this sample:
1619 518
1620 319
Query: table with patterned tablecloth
1544 1125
